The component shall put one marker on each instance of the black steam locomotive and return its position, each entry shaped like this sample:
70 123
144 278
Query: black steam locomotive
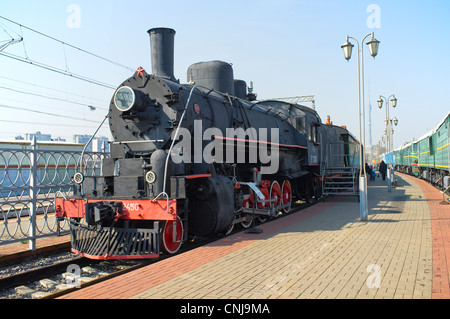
194 159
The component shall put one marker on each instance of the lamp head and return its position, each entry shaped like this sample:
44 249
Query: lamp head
380 103
347 47
373 46
394 101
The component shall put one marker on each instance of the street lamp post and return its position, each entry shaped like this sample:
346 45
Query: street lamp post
389 132
347 47
395 121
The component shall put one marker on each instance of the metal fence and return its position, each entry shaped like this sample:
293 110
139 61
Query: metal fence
32 175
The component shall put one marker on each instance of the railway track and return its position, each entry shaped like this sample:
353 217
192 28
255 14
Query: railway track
57 279
53 280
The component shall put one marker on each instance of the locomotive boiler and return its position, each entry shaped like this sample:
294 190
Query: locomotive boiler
193 160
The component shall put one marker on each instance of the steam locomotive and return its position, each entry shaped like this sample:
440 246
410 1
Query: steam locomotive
194 160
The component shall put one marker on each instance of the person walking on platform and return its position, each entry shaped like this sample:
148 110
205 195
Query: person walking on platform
383 169
369 171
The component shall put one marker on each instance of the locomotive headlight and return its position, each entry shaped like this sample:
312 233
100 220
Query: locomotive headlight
150 177
124 98
78 178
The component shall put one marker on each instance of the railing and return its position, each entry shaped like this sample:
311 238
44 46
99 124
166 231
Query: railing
32 175
339 176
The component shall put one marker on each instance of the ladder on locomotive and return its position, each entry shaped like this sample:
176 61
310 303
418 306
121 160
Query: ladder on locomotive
340 172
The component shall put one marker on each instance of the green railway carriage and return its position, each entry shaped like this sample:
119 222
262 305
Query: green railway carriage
426 152
398 156
434 152
429 156
406 158
442 148
413 158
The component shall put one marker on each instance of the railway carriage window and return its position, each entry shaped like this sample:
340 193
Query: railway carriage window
312 134
301 125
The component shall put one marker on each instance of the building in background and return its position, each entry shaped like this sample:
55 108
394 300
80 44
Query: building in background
39 137
98 144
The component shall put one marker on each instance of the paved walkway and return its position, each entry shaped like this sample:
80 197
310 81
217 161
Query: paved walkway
322 252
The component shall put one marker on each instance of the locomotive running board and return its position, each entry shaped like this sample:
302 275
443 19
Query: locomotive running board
114 243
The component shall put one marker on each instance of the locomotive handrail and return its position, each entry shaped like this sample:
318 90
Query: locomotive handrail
163 193
171 146
84 149
135 142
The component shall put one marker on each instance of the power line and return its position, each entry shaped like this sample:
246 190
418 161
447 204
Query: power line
50 97
7 44
48 88
46 113
36 104
66 72
54 69
69 45
49 124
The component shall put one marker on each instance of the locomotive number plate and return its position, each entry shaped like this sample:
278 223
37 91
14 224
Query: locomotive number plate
132 207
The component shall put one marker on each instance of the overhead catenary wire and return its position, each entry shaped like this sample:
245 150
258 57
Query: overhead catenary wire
11 41
49 88
46 113
51 97
45 66
28 104
69 45
66 69
57 70
49 124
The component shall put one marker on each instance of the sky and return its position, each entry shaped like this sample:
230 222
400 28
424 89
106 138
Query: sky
285 47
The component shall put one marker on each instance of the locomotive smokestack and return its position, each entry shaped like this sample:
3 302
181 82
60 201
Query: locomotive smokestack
162 48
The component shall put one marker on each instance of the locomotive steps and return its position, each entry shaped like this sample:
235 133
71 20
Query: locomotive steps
340 181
